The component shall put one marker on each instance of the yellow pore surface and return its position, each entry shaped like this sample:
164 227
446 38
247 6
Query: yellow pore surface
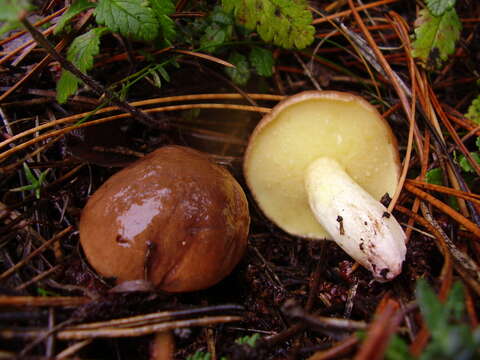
281 150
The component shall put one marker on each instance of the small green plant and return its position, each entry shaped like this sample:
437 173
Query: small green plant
249 340
437 30
35 184
451 337
81 53
136 19
44 292
217 29
283 23
219 32
473 112
230 30
260 59
435 175
465 164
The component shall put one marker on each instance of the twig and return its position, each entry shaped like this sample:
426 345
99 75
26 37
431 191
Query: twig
144 330
94 85
46 60
141 320
378 336
37 251
338 350
148 102
475 198
42 137
71 350
445 209
37 301
349 12
38 277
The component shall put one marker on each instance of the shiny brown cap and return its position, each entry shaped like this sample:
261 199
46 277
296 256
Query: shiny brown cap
173 218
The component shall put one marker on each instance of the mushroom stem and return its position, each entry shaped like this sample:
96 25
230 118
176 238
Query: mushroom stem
357 222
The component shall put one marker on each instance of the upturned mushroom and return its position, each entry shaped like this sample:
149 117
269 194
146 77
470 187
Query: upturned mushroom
173 218
318 164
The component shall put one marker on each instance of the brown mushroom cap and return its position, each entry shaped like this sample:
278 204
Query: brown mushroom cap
173 217
303 128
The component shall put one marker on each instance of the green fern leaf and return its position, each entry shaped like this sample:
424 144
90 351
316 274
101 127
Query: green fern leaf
436 37
285 23
132 18
162 10
81 54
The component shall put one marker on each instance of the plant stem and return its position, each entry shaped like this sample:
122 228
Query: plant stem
93 84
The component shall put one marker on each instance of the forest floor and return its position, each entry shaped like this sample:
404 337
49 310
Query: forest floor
146 87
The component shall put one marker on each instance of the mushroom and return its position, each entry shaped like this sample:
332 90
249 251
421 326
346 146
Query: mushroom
173 218
318 164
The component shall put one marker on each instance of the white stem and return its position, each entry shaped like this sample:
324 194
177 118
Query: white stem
357 222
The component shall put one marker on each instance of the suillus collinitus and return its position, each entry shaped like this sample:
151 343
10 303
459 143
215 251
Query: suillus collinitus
318 164
173 218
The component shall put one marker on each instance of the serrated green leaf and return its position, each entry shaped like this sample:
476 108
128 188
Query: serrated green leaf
132 18
465 164
240 74
438 7
284 23
473 112
11 9
218 31
434 176
436 37
81 53
67 85
262 61
84 48
76 8
162 10
215 35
